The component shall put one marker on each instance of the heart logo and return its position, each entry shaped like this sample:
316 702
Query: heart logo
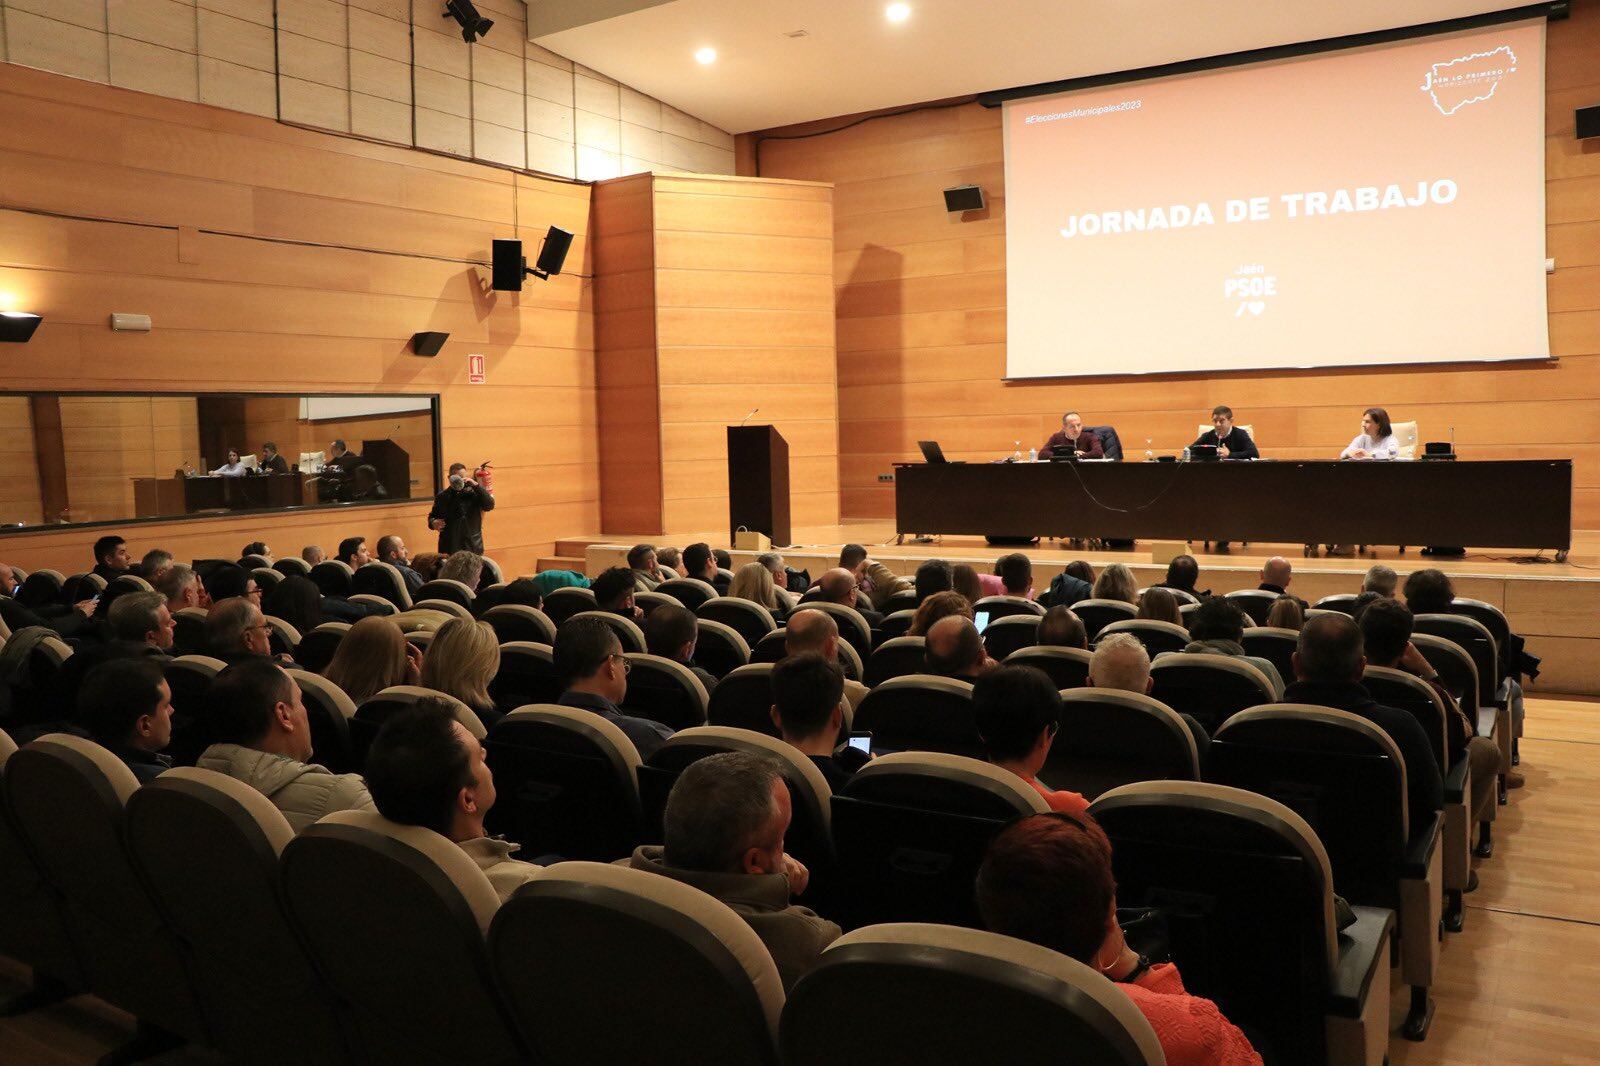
1257 306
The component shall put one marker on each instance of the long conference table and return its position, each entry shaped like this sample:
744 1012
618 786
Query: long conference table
1493 503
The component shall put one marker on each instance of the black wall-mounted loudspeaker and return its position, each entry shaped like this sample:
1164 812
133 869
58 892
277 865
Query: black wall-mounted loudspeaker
1588 121
509 266
554 253
963 198
428 343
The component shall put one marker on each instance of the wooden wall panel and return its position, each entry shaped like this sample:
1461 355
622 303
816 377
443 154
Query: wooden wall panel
19 473
920 298
390 238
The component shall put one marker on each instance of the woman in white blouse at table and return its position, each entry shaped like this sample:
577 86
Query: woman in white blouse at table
233 467
1377 439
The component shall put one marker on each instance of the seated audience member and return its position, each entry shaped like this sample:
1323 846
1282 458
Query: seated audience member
724 575
1122 664
955 649
1116 583
427 565
234 467
426 769
181 586
590 663
1159 605
934 576
939 605
1015 574
257 547
229 581
463 566
724 560
263 738
138 626
1276 574
392 550
1018 711
1363 601
1070 586
613 591
646 567
1081 570
1386 636
66 621
1047 880
311 555
1217 627
872 577
374 655
237 631
143 618
808 709
353 552
753 582
154 564
780 575
700 563
366 486
839 586
816 633
523 592
297 601
671 631
1380 579
461 660
271 462
969 583
1182 574
126 706
724 826
1328 665
111 558
1286 612
670 560
1060 628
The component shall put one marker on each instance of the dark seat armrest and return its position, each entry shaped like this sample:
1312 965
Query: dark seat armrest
1363 947
1419 849
1455 782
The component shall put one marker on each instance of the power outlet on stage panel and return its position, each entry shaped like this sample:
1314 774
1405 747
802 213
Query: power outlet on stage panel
885 477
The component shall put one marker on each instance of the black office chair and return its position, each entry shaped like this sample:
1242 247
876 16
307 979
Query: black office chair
1109 441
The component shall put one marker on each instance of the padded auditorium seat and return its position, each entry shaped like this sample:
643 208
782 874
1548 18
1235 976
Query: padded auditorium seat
1474 637
1004 635
329 710
896 623
443 588
772 648
516 621
1019 1003
1007 607
527 675
1156 636
853 627
1275 645
719 649
282 637
381 706
1097 614
446 608
383 580
743 700
292 567
745 617
1208 688
561 604
664 691
896 657
189 632
41 588
627 631
1255 603
921 712
649 601
189 679
1066 667
602 963
333 578
266 578
318 647
689 591
1109 738
1343 602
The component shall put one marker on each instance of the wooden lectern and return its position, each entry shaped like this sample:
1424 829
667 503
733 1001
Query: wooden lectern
758 482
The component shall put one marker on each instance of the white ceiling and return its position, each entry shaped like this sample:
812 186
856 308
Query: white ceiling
852 59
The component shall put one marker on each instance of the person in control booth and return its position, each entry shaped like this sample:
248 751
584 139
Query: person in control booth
1073 435
271 461
1230 441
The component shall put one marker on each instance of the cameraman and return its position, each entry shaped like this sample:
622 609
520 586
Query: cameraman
458 511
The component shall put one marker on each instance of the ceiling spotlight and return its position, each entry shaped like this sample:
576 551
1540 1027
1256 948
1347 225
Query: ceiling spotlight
17 326
473 25
705 56
897 12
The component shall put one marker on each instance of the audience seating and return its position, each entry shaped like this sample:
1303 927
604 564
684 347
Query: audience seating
1187 609
68 795
1209 688
1473 637
443 588
84 586
318 647
1247 890
127 583
1110 738
491 574
189 630
1494 620
328 711
772 648
1275 645
448 608
904 600
896 624
567 783
723 581
745 617
40 588
208 846
292 567
921 712
284 637
266 577
189 679
1343 602
896 657
743 700
664 691
1006 634
932 993
1254 602
1066 667
649 601
601 963
910 831
1347 779
561 604
1459 675
1183 597
689 591
251 562
381 706
1006 606
627 630
1097 614
853 628
382 579
527 675
516 621
1156 636
377 604
333 578
718 648
424 933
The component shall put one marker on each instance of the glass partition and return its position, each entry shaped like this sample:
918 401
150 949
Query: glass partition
85 458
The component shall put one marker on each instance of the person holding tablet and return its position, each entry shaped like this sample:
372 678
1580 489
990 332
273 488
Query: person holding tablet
1376 440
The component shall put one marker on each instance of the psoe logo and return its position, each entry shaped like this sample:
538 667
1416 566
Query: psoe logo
1468 79
1251 286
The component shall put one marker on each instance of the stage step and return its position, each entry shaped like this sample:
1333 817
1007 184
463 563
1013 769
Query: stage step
574 563
575 546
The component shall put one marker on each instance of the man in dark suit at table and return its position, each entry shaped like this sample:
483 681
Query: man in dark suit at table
271 462
1072 434
1230 441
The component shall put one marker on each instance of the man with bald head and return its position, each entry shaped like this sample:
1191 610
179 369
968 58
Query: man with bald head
817 632
956 650
839 586
1276 575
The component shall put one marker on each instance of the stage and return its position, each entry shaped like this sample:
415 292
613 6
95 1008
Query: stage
1555 606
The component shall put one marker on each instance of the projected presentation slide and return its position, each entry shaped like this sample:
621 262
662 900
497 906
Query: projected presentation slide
1374 206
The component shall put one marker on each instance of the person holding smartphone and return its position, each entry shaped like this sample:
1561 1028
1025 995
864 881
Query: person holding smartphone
457 514
808 709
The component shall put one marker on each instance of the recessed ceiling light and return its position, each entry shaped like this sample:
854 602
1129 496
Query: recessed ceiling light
897 12
705 56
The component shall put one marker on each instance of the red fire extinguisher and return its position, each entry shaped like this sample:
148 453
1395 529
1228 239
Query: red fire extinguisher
484 476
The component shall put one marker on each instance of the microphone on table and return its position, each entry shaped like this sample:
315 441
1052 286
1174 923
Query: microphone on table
747 417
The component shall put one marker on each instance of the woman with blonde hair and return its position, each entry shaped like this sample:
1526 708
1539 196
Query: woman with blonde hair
939 605
1286 613
462 659
1116 583
1159 605
753 582
374 655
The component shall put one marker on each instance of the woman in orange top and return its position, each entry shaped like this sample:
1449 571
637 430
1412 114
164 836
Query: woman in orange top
1047 879
1018 710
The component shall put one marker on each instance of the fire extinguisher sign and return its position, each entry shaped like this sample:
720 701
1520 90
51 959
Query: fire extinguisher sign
475 370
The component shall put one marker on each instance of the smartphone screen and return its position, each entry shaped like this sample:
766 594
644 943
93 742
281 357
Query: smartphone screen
861 742
981 621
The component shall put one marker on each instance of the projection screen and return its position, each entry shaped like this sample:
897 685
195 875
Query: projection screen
1381 205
